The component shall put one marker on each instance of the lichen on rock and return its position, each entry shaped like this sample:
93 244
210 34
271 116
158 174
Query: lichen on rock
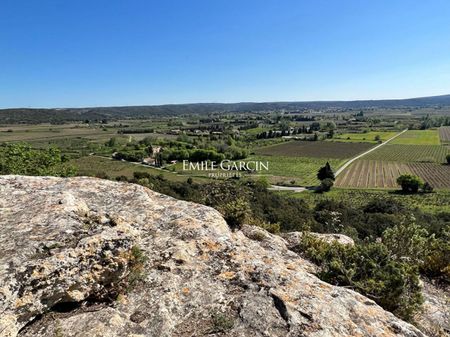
68 250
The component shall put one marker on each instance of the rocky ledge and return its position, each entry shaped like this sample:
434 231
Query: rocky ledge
91 257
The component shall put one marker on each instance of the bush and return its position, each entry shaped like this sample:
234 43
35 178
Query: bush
437 262
236 212
427 188
22 159
368 269
384 205
326 185
407 241
409 183
132 155
448 159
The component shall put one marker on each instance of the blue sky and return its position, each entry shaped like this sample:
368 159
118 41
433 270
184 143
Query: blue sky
60 53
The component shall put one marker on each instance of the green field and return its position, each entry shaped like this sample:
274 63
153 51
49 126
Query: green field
93 165
410 153
418 137
364 137
300 169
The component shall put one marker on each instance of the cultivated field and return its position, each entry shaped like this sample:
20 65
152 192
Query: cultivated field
437 175
364 137
383 174
316 149
299 169
282 170
372 174
410 153
444 134
418 137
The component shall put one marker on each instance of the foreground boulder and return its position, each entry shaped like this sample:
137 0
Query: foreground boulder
90 257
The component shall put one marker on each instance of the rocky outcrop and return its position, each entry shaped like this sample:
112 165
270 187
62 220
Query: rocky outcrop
90 257
434 318
293 239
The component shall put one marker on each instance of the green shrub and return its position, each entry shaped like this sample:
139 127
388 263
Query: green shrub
407 241
437 262
326 185
369 269
236 212
22 159
409 183
427 188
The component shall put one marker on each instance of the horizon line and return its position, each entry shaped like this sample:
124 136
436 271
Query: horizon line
229 102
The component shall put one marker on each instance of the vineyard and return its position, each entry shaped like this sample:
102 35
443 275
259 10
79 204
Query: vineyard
372 174
316 149
418 137
410 153
301 170
383 174
437 175
444 134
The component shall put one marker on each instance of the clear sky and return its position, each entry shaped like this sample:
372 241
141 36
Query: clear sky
61 53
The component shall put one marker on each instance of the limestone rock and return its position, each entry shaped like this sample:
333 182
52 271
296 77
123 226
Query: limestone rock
66 246
293 238
434 317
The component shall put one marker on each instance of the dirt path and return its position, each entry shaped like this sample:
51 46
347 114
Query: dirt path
286 188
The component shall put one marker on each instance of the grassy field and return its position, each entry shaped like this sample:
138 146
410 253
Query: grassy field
316 149
364 137
410 153
42 134
432 202
93 165
418 137
257 130
300 169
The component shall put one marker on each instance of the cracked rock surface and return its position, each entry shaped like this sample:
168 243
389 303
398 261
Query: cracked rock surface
67 244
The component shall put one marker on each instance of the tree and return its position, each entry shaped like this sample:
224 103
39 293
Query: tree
112 142
326 172
409 183
378 138
22 159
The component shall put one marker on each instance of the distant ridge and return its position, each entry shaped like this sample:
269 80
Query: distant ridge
30 115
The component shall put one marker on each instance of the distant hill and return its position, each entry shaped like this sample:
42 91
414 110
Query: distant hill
29 115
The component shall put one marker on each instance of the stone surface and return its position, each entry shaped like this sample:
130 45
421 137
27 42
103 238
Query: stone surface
434 319
66 246
294 238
